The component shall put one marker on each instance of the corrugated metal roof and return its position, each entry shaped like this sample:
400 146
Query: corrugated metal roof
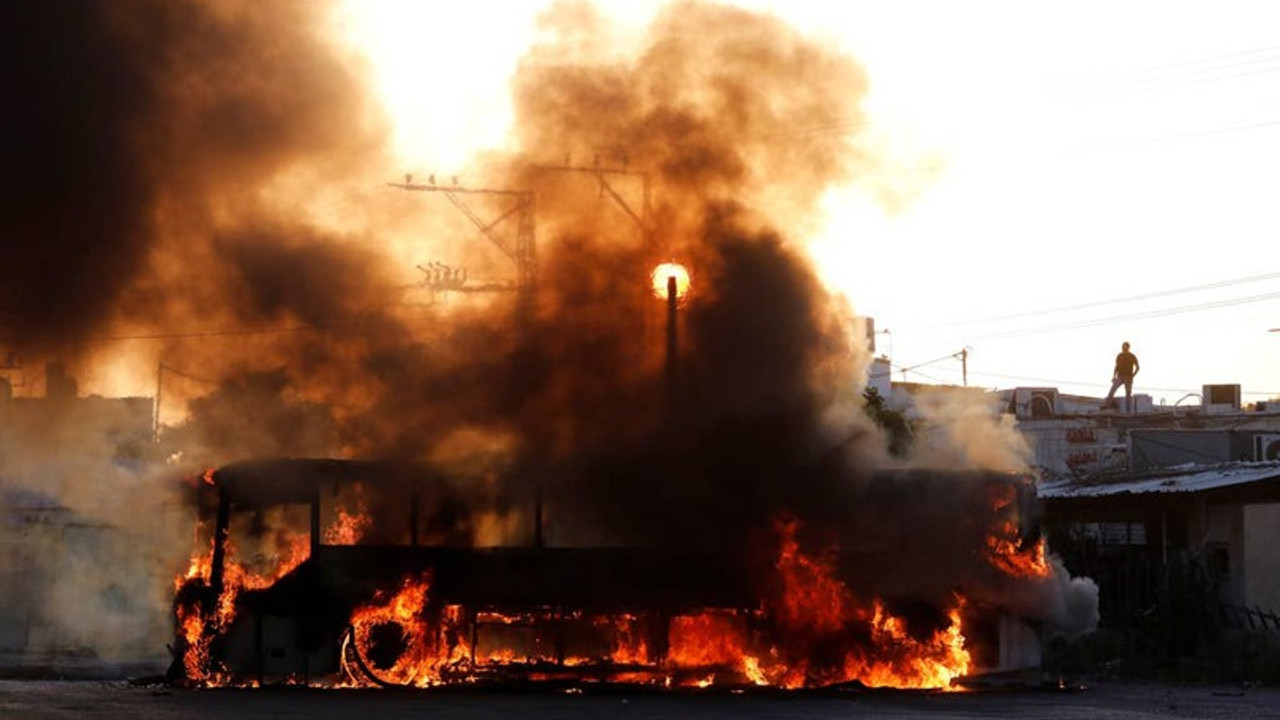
1182 479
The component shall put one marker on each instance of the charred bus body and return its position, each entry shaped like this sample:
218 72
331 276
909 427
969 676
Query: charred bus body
373 573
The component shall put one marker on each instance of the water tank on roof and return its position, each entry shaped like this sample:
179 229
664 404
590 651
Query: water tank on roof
1221 398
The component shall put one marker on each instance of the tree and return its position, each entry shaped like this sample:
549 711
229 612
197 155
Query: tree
894 422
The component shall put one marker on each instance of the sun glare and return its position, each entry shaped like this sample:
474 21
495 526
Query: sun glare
670 270
442 76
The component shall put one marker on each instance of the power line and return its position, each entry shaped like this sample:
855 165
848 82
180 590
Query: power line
1123 318
915 368
1184 63
348 329
1204 75
174 371
846 126
948 356
226 332
1212 131
1059 382
1115 301
834 125
1186 69
926 376
1230 66
904 170
933 378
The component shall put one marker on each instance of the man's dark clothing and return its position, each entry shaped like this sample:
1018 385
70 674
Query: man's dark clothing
1126 368
1126 364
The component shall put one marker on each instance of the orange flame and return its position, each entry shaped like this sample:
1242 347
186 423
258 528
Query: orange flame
711 638
200 625
348 527
400 638
817 608
932 663
1005 546
428 653
628 641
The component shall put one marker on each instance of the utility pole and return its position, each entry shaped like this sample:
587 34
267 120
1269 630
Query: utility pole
155 415
963 356
603 175
161 369
673 334
11 362
521 206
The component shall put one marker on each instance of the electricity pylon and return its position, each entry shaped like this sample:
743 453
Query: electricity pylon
521 251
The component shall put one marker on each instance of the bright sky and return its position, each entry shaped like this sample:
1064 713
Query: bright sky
1117 158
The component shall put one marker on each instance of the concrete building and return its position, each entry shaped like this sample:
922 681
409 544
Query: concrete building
1216 527
1073 435
1140 500
69 589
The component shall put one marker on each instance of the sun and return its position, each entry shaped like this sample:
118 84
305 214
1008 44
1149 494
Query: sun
667 270
441 74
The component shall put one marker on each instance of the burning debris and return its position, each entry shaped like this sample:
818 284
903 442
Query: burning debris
550 500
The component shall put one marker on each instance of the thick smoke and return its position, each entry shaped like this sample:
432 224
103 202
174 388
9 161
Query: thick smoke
164 163
964 428
74 218
709 109
148 146
140 131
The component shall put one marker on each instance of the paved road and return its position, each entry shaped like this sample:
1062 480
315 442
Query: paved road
50 700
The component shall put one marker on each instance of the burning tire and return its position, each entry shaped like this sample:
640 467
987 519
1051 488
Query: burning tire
386 644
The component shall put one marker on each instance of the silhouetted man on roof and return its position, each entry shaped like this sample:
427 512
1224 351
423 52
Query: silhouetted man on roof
1126 368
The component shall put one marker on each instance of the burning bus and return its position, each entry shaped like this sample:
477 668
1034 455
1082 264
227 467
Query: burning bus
361 573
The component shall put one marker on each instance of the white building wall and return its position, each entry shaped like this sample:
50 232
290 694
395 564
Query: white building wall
1072 445
1218 526
1261 558
880 377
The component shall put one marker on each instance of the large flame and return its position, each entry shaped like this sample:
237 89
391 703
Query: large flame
349 526
1006 548
818 608
201 618
401 641
809 630
421 653
205 618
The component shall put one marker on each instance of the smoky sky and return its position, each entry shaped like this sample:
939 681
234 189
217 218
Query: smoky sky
134 128
76 187
147 154
149 141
